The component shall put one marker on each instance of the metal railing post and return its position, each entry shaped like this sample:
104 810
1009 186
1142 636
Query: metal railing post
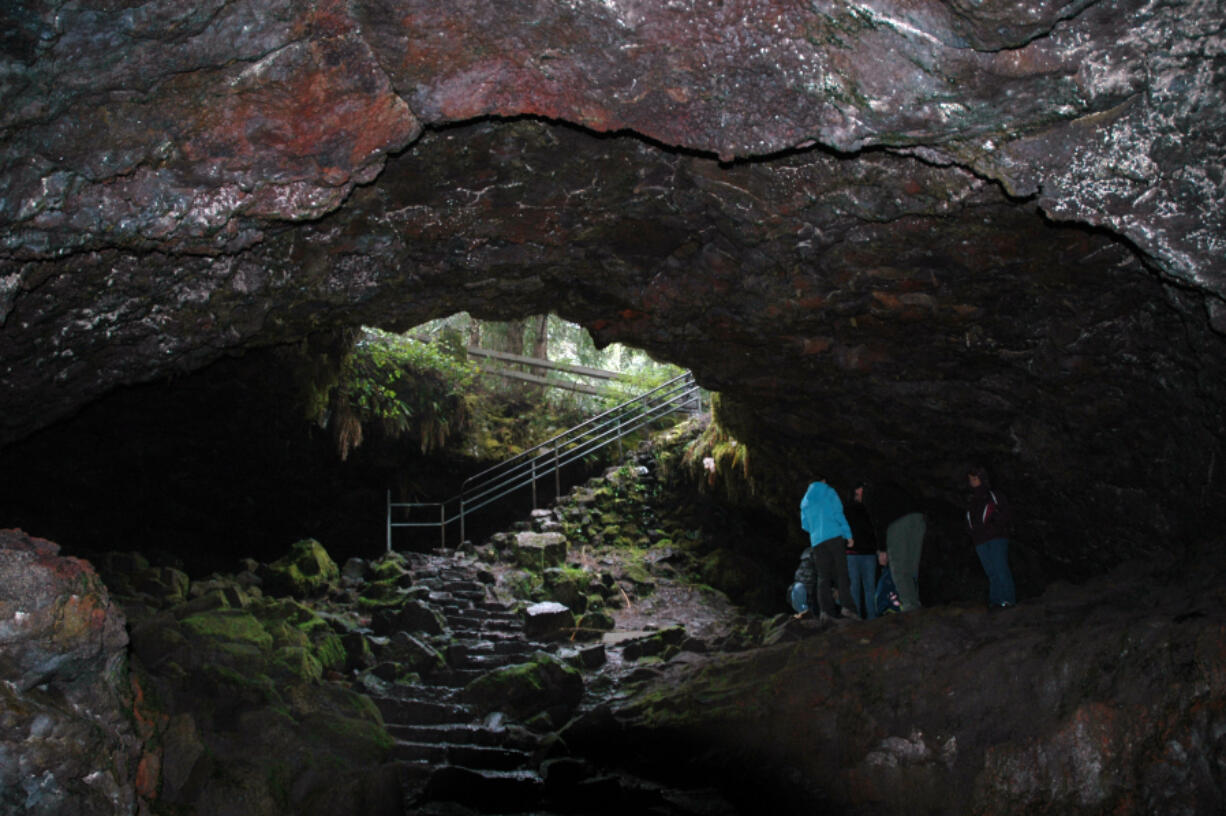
534 504
389 521
442 525
461 520
557 475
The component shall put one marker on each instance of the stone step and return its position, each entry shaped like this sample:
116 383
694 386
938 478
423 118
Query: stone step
487 663
467 733
457 678
475 757
446 600
466 620
484 647
408 711
466 589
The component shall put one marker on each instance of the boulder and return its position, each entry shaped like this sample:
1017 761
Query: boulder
548 620
540 550
414 616
306 571
64 692
523 690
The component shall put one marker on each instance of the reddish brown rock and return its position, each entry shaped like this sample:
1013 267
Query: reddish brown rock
66 741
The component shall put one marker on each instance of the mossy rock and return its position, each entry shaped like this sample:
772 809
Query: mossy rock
593 623
232 625
306 571
390 569
226 687
524 690
297 663
414 616
286 609
329 650
540 551
285 634
568 585
637 573
414 654
213 599
381 596
358 654
662 644
523 584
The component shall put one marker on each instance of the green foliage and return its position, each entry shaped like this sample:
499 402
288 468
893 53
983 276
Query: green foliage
403 386
714 459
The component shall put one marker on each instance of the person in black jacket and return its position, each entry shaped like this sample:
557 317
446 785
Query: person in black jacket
861 554
988 517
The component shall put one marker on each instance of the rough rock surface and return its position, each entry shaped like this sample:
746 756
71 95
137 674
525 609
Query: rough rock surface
897 233
67 744
1106 698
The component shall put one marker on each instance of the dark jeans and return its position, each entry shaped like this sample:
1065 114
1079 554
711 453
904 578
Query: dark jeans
830 561
863 572
994 555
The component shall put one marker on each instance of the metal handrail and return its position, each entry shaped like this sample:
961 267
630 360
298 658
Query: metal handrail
549 457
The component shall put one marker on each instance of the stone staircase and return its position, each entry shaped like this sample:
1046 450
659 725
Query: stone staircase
448 753
454 761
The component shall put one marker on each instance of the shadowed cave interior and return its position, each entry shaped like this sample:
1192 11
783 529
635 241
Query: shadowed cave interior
895 239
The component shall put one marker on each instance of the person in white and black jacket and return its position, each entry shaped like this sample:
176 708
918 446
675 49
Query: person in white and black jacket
988 517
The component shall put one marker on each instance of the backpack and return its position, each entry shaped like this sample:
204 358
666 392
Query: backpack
798 591
798 597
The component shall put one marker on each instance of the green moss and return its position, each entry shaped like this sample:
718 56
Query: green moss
358 740
286 634
285 609
298 663
329 650
306 570
228 684
234 625
388 569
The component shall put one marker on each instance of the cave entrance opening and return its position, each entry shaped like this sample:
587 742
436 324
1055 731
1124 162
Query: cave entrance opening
541 408
546 460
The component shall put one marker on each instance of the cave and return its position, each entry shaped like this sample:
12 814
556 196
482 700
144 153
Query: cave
896 238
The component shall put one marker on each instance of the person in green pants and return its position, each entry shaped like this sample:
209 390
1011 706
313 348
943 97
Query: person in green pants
898 513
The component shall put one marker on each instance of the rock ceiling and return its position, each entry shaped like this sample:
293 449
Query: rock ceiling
892 232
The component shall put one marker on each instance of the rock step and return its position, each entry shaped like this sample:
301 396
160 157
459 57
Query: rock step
485 647
475 757
512 624
494 660
469 590
401 710
470 622
465 734
457 678
424 693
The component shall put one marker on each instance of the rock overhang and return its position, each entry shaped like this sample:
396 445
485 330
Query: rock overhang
839 216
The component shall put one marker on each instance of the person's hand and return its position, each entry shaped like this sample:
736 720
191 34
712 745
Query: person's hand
882 558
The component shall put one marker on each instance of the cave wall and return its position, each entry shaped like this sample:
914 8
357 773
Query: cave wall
897 236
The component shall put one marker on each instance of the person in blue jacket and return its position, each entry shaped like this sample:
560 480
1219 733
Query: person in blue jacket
821 516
